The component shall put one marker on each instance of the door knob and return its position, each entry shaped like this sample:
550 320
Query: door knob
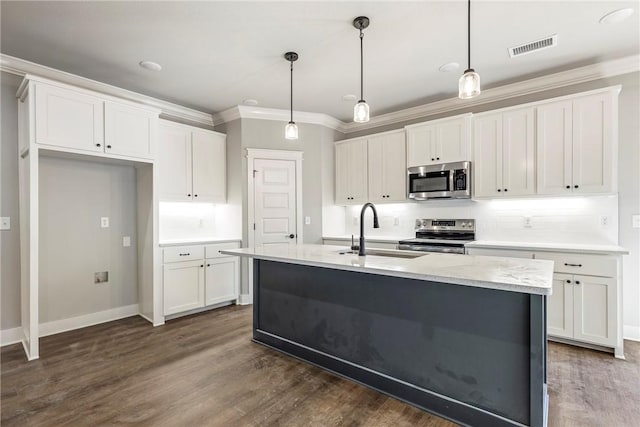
291 236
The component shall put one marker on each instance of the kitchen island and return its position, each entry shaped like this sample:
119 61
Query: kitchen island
461 336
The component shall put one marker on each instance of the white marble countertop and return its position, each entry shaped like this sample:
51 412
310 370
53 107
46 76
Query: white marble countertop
551 247
197 241
509 274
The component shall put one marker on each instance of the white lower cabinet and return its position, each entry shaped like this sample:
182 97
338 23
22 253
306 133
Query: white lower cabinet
199 276
585 304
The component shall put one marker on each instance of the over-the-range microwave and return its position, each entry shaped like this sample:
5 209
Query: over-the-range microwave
441 181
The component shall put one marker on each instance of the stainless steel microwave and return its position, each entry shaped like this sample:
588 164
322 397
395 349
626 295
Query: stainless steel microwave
441 181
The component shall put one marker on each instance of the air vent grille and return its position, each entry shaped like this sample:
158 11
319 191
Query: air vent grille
534 46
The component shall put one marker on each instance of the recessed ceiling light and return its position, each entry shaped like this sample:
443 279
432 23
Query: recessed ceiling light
349 98
616 16
451 66
150 65
251 102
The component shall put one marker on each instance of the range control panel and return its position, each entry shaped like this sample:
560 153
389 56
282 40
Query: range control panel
429 224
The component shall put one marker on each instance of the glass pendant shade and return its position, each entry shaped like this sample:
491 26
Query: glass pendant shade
469 85
291 131
361 112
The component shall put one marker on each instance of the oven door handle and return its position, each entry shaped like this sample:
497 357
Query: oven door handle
432 248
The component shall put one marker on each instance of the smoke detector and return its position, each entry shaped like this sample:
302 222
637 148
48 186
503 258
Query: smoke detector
534 46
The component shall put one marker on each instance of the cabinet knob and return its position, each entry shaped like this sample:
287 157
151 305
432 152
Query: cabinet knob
188 195
575 186
499 190
208 265
201 266
291 236
437 158
195 195
432 159
98 145
568 186
108 146
577 282
568 281
505 190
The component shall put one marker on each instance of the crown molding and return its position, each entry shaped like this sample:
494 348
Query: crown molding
21 67
262 113
574 76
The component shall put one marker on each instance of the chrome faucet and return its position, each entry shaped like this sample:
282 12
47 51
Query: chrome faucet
361 251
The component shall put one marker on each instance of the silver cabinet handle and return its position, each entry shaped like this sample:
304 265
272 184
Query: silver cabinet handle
187 254
572 265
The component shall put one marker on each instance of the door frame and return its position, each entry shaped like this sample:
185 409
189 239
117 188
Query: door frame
252 155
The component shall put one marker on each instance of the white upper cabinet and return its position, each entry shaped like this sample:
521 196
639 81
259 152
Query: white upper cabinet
209 154
129 131
351 172
504 153
191 163
70 119
576 145
387 168
438 141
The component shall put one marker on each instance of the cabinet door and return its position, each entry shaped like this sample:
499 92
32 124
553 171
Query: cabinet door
174 163
421 142
387 168
209 166
554 148
518 154
560 306
342 174
487 166
595 310
451 141
358 176
593 144
183 286
129 131
69 119
222 280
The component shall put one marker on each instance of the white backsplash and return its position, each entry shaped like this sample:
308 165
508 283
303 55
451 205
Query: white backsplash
579 220
191 220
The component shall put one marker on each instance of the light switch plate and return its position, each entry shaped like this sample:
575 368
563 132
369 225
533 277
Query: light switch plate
5 223
126 241
635 221
104 222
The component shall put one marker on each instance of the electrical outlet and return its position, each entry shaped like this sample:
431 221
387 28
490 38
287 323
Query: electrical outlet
604 221
527 222
307 220
104 222
355 220
5 223
635 221
126 241
396 220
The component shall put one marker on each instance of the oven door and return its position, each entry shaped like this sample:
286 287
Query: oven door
425 185
421 247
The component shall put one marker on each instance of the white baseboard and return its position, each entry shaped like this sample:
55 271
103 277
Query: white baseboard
58 326
245 299
631 333
10 336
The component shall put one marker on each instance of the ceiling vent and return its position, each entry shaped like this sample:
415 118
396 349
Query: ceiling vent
534 46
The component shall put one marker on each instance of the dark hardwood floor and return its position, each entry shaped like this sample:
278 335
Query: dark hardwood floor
203 370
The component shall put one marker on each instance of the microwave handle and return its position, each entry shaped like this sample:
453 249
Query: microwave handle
452 173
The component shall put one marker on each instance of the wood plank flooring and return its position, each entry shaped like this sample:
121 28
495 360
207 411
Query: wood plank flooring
203 370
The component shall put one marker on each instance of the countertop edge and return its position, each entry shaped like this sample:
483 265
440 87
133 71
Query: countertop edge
546 247
197 242
532 290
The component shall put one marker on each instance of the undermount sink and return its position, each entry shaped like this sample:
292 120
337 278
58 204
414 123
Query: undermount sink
386 252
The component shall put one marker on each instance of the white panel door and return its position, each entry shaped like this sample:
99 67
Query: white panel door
183 286
375 169
518 153
275 202
129 131
593 144
358 176
451 141
208 151
487 167
342 174
174 163
222 280
421 142
69 119
595 310
387 169
560 307
554 148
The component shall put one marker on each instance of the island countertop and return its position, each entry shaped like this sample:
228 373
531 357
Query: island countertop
510 274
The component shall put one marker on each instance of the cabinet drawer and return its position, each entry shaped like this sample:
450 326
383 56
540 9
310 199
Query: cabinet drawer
590 265
500 252
212 251
183 253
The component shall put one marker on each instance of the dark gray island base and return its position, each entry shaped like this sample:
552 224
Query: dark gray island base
474 355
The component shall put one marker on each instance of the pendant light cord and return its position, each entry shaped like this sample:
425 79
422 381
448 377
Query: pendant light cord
361 67
469 35
291 92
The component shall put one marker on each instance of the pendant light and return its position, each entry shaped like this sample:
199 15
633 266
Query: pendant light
291 130
469 83
361 109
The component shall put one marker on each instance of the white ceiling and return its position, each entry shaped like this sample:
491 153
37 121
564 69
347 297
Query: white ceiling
216 54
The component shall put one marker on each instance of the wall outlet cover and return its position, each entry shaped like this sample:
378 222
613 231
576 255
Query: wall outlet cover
104 222
126 241
307 220
605 221
635 221
527 222
5 223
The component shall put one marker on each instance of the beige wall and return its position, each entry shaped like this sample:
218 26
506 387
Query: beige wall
628 173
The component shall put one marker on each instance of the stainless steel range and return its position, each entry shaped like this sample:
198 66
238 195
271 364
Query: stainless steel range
441 235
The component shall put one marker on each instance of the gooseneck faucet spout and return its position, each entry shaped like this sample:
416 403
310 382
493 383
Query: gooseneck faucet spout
362 251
